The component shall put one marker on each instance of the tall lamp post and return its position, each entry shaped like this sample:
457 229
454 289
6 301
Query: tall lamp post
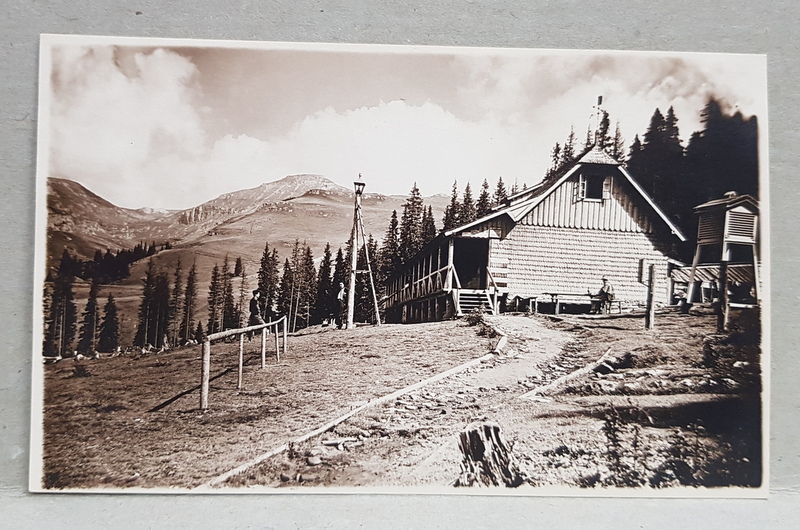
358 230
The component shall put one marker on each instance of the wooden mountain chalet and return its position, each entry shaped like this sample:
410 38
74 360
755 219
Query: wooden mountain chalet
550 244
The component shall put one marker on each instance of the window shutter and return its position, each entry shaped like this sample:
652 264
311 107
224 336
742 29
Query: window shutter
607 188
580 190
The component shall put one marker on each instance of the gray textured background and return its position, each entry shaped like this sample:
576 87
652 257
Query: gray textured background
720 26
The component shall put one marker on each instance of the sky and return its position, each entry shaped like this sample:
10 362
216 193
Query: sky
172 124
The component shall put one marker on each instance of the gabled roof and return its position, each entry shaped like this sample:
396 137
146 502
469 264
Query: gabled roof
730 201
520 204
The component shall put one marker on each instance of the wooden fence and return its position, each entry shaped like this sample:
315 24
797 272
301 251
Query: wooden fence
241 332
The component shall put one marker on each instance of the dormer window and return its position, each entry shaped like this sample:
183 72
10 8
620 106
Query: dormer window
594 187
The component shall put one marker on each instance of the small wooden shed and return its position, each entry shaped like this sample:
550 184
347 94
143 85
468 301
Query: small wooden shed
553 242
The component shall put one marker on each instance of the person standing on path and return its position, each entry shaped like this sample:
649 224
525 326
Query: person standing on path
255 309
340 305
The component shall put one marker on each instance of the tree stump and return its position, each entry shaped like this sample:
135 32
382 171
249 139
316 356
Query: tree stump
487 458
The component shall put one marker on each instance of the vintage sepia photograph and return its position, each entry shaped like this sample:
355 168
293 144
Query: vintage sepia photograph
320 268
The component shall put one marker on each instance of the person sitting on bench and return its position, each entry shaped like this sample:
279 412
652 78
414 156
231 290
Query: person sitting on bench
601 302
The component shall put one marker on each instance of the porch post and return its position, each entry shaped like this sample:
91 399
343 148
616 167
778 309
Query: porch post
449 282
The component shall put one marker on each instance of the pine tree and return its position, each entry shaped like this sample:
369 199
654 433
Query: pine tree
215 302
230 319
603 138
307 288
618 146
635 163
160 324
323 305
568 151
450 219
87 341
199 333
238 267
268 281
241 305
189 305
484 204
146 307
63 317
340 270
428 228
390 251
411 225
286 292
176 305
467 213
555 161
589 142
500 193
108 339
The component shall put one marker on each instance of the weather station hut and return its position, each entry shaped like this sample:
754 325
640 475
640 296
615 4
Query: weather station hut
549 246
726 252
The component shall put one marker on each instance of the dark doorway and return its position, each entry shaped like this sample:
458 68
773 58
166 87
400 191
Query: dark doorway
470 257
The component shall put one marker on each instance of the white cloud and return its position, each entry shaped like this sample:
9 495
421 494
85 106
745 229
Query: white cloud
129 125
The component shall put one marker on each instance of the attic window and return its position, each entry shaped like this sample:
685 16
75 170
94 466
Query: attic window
594 187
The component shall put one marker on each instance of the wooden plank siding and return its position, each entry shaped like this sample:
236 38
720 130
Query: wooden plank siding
562 208
571 260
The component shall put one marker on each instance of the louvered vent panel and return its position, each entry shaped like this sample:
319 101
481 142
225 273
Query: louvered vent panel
710 228
741 225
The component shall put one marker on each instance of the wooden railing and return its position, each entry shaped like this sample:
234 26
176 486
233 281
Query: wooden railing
241 332
435 282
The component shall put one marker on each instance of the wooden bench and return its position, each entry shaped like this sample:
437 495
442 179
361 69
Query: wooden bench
572 298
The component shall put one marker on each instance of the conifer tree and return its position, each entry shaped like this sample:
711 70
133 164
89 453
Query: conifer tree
241 304
146 307
286 291
215 301
189 305
389 260
635 163
238 267
199 333
555 161
411 225
268 281
340 270
568 151
618 146
87 341
109 337
484 204
63 317
500 193
230 319
467 213
589 142
604 140
451 211
323 305
176 305
428 228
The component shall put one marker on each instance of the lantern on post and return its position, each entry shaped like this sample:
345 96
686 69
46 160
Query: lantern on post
356 233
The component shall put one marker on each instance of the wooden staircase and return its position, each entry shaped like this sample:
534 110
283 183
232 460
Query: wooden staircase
470 299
